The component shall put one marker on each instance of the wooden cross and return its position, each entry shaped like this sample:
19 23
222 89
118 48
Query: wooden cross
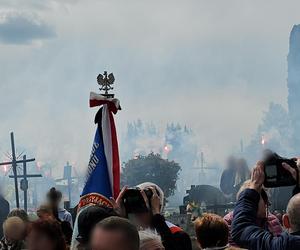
68 177
14 163
202 166
24 181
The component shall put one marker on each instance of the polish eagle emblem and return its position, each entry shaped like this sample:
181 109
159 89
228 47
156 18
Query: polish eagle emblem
105 81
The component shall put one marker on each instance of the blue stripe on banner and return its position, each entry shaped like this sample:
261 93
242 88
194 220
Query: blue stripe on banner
97 180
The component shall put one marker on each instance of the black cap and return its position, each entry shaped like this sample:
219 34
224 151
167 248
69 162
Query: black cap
88 218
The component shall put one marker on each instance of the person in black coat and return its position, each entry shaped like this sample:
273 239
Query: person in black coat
244 229
228 179
4 211
233 176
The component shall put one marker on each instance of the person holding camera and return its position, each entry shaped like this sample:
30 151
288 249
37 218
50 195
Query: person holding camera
144 205
244 229
264 219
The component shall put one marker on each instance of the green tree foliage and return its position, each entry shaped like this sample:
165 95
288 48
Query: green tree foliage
151 168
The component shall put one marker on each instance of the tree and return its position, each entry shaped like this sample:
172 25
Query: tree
276 129
151 168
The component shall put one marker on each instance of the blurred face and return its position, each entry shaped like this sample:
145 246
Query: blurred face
231 163
44 215
108 240
57 202
39 241
15 231
142 220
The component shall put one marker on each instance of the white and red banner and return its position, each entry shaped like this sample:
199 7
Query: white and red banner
103 174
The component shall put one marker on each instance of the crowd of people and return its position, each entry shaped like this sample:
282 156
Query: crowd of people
249 226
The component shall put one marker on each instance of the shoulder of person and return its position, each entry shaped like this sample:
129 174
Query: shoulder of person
173 228
250 193
283 241
291 242
183 240
64 211
181 234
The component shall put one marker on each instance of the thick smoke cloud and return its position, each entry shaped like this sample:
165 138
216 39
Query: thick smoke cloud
190 63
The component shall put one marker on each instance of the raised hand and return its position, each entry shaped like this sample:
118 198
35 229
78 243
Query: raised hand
155 202
118 204
257 177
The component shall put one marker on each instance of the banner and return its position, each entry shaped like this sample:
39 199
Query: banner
103 174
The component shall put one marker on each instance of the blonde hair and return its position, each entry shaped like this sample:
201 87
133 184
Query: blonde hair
149 240
13 225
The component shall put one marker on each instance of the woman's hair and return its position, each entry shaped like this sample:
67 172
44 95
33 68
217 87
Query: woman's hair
21 213
150 240
211 231
52 230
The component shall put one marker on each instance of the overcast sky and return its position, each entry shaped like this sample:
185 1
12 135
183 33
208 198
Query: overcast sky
213 65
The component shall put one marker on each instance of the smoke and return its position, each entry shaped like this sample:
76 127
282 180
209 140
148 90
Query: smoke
176 142
274 132
196 65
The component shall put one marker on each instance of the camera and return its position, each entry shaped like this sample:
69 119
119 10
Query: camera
275 174
134 201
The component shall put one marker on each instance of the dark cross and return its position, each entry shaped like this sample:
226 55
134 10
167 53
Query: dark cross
24 181
14 163
68 177
202 165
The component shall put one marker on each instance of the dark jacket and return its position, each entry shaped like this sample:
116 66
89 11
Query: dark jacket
248 235
270 224
227 181
4 210
173 237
